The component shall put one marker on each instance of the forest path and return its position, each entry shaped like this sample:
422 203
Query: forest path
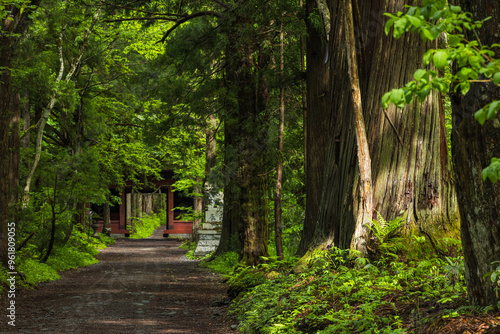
138 286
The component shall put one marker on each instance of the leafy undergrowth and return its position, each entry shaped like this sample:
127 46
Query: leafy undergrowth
79 251
340 293
144 227
224 264
190 246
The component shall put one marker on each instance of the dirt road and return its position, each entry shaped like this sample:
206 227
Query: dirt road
138 286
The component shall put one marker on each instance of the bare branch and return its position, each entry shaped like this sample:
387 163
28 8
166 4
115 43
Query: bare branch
151 18
187 18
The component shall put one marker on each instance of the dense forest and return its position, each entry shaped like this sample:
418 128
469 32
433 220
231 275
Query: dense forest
354 141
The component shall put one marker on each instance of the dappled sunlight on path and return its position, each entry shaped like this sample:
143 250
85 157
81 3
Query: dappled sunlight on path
138 286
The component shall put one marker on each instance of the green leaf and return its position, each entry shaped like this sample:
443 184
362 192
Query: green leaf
440 59
386 100
464 87
441 85
397 96
412 11
437 15
456 9
492 172
426 34
480 115
389 24
475 61
427 58
400 27
493 109
415 21
423 92
419 74
496 78
454 40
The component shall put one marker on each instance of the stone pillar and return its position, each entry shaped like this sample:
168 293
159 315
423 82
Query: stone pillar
209 234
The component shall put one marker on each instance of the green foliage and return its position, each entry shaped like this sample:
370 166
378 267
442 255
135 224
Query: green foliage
70 258
388 235
190 246
492 172
223 264
494 276
145 226
3 279
5 7
338 293
472 59
79 251
37 272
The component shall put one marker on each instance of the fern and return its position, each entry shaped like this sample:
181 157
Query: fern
388 234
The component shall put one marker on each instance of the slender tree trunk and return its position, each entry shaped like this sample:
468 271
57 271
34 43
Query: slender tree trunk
15 146
198 210
26 116
318 122
410 171
473 146
52 223
55 96
363 219
279 168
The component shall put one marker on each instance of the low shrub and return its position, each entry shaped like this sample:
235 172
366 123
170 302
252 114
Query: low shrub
145 226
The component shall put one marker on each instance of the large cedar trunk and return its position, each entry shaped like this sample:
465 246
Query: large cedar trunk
5 119
318 123
245 191
10 28
473 146
410 168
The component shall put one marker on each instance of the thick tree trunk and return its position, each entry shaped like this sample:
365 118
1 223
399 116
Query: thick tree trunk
318 123
10 28
410 171
473 146
5 119
246 124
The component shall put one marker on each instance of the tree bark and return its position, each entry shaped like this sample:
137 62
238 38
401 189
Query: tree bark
198 210
473 146
5 118
410 171
317 125
246 125
365 208
15 146
10 28
279 168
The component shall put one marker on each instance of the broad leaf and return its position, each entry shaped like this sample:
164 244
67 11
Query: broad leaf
440 59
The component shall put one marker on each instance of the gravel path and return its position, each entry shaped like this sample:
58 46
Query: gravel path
138 286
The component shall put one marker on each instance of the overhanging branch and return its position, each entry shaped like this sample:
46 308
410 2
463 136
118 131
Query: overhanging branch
186 18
